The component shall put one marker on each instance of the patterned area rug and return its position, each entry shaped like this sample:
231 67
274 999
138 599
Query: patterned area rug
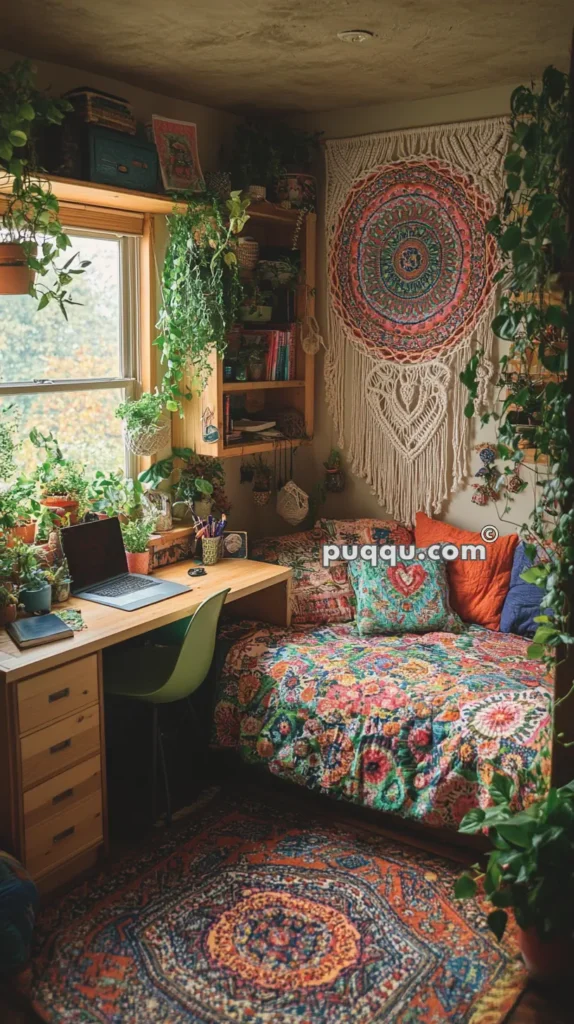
253 915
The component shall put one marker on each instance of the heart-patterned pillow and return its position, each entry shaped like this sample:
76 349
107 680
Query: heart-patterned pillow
407 578
409 597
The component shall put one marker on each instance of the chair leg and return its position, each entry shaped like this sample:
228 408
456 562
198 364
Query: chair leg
165 778
155 734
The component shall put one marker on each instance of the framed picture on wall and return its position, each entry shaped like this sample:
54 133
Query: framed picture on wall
235 544
176 143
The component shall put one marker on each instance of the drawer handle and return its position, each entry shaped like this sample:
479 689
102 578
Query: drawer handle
60 746
65 795
64 835
58 695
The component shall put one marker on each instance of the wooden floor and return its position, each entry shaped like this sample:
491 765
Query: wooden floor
537 1005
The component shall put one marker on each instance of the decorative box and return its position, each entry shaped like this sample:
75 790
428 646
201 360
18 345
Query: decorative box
95 107
173 546
92 153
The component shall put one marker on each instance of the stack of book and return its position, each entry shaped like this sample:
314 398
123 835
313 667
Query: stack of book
281 355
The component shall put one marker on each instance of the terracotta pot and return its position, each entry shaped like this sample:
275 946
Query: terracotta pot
68 507
546 961
8 614
26 532
16 277
138 561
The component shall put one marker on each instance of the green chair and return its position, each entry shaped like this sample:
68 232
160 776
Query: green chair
165 674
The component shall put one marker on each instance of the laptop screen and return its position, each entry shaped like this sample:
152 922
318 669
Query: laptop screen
95 551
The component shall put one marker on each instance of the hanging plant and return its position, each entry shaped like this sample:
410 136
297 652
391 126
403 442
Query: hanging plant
201 291
33 239
535 315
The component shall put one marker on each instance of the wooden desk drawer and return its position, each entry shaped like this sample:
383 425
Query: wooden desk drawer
58 839
49 751
61 691
62 792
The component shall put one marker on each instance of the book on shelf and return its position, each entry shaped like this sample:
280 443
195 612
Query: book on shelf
280 360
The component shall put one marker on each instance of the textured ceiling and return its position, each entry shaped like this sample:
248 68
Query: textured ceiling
283 54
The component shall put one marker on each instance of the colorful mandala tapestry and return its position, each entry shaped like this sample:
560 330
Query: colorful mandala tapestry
255 914
411 269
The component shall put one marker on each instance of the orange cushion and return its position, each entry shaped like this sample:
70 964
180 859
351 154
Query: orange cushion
477 589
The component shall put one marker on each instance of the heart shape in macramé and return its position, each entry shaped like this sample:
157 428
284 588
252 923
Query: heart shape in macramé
407 579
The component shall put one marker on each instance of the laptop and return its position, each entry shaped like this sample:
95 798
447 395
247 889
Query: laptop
99 568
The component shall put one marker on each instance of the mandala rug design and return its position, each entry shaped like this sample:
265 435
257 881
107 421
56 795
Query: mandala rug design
251 914
411 272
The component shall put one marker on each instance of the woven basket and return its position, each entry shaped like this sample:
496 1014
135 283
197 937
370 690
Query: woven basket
292 503
148 440
247 252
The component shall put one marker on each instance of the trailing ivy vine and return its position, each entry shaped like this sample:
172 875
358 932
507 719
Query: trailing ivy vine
535 315
201 291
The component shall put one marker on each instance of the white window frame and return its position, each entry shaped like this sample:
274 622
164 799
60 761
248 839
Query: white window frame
129 337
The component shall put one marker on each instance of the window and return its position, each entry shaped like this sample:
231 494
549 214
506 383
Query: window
69 377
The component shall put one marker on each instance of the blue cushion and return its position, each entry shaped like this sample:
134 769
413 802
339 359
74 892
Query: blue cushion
522 601
18 899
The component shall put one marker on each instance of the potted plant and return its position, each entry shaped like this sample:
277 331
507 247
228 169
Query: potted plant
58 576
201 291
147 426
529 871
262 477
113 494
18 507
8 603
63 486
30 576
136 534
253 355
257 304
256 159
33 236
334 475
296 149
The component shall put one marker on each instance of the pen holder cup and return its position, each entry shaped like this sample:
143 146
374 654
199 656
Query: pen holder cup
211 550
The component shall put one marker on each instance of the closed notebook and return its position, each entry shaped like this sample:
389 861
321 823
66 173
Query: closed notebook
39 629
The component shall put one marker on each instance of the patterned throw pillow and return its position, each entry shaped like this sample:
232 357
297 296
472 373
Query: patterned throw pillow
319 596
411 597
364 531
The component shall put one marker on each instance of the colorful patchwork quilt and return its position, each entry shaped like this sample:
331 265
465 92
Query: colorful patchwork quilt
412 724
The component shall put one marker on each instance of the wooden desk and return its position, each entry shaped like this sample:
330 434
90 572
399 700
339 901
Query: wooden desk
52 749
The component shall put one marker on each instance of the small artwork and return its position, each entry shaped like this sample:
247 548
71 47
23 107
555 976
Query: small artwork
209 431
235 544
176 143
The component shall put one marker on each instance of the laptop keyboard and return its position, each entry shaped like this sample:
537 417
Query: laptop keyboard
117 588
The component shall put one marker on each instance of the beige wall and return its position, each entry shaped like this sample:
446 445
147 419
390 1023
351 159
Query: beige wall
357 498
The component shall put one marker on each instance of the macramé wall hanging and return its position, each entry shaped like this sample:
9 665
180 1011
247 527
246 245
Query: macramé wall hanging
411 270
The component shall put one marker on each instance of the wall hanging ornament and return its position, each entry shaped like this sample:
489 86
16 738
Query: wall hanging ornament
411 269
488 489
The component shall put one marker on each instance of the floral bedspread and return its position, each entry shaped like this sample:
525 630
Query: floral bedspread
415 724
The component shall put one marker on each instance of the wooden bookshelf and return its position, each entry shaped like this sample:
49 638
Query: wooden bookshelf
297 393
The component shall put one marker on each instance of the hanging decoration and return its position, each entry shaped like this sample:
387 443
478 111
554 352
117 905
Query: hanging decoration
334 473
488 489
411 271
